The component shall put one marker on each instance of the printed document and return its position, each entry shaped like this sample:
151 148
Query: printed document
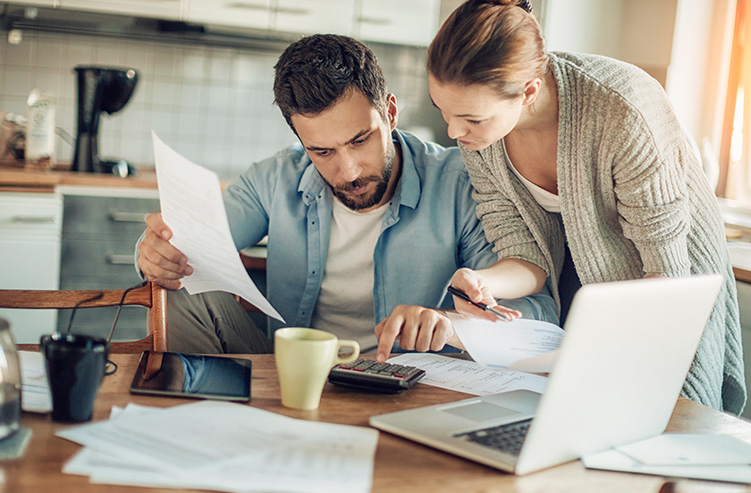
223 446
467 376
191 201
521 344
681 455
35 391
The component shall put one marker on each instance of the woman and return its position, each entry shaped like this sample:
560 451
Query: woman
582 174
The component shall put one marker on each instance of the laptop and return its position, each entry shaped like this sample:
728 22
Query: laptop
620 368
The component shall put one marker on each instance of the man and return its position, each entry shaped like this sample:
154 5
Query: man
365 223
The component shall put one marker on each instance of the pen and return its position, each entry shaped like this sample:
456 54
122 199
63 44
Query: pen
463 295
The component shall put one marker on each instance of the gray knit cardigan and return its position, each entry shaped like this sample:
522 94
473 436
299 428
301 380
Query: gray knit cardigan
634 202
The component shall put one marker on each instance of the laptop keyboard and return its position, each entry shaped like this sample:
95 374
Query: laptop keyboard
506 438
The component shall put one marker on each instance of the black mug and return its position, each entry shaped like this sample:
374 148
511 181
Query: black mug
75 367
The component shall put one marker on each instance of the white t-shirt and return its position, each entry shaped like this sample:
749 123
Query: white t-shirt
549 201
345 303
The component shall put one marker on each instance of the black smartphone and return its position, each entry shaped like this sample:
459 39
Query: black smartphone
196 376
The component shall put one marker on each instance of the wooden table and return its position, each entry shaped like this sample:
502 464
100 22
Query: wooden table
400 465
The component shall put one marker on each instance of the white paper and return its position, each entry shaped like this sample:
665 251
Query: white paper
224 447
468 376
677 449
613 460
521 344
192 206
35 391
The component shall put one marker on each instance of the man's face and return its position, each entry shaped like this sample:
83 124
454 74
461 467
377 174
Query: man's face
350 146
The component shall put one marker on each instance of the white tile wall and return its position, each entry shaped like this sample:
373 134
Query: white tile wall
214 105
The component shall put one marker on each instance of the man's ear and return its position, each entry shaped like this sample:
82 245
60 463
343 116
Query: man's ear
391 111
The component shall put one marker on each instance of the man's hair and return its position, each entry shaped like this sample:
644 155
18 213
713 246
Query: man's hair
489 42
315 72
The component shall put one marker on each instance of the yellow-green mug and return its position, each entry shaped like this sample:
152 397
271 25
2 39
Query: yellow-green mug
304 358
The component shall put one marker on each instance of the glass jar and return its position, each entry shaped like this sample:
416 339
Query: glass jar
10 383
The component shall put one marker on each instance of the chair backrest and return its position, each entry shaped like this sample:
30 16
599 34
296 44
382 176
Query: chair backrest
151 295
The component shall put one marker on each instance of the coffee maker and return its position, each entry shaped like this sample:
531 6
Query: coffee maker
99 89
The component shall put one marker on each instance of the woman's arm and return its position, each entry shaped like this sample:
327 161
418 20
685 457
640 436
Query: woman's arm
509 278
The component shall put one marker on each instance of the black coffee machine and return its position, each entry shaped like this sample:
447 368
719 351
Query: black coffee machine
99 89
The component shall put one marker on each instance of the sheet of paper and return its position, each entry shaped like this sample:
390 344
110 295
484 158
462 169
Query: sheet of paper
224 446
521 344
613 460
192 206
35 391
677 449
468 376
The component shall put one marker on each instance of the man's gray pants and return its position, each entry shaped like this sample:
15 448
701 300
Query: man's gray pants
211 323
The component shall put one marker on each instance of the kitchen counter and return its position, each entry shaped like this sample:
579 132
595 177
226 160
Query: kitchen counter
17 179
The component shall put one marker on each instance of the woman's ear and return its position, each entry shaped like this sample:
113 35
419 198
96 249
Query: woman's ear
531 91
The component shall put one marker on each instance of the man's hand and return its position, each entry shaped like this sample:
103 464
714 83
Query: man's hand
416 328
159 261
473 285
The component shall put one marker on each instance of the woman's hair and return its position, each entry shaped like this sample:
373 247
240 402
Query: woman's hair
315 72
497 43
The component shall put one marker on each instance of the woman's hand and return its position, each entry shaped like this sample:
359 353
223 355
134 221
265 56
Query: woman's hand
474 286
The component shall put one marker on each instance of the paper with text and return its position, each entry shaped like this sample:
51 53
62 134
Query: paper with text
467 376
35 391
191 201
521 344
223 446
712 457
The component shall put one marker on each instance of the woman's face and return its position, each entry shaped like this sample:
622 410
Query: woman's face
476 116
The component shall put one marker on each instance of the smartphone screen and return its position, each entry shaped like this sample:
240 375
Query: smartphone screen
196 376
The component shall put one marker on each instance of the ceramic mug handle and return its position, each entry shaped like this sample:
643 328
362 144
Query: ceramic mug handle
347 359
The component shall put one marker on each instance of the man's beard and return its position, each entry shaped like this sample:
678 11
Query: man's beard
357 203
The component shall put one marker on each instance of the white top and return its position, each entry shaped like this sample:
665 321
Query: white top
551 202
345 304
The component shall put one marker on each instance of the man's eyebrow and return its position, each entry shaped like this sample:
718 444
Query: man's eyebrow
357 136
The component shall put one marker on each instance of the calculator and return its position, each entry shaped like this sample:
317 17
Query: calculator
365 374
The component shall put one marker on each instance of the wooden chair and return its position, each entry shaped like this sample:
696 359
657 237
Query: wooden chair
152 296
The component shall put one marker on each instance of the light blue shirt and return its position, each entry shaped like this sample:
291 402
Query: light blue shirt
429 231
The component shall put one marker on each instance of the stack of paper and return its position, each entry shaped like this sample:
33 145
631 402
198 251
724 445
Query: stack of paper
223 446
35 391
714 457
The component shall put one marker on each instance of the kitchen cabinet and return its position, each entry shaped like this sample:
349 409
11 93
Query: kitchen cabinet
414 22
39 3
99 232
252 14
391 21
30 257
314 16
161 9
411 22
